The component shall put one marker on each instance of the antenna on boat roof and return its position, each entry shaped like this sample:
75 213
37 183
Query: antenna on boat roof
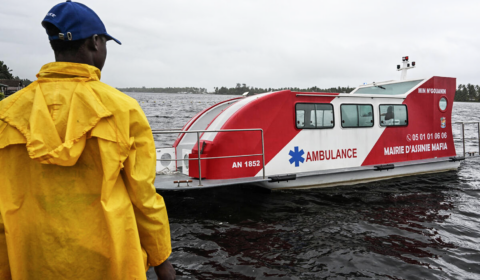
406 66
245 93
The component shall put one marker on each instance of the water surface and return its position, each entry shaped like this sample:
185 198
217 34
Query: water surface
418 227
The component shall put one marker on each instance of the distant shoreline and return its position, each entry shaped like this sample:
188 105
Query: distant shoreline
464 93
239 89
213 93
208 93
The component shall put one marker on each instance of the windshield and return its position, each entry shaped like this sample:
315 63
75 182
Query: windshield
389 89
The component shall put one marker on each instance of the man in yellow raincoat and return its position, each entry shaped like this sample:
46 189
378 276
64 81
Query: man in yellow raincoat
77 163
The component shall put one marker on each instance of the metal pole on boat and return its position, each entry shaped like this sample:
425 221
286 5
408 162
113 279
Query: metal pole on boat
478 128
263 155
199 162
463 137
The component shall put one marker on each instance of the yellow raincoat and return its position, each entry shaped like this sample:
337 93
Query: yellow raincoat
77 166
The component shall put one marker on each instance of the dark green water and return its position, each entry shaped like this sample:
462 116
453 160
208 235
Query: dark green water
419 227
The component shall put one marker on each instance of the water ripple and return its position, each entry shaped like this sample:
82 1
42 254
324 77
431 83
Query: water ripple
419 227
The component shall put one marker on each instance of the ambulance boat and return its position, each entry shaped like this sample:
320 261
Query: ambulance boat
287 139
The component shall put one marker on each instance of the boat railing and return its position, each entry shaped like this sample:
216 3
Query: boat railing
198 132
474 138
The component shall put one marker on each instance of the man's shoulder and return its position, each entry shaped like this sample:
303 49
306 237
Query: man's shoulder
112 97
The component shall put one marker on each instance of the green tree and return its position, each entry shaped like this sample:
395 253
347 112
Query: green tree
5 72
472 93
467 93
223 90
25 82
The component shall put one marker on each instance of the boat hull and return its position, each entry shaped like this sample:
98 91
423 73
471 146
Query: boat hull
319 179
361 175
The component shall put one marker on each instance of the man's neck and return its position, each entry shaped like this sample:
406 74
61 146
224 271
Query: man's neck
74 58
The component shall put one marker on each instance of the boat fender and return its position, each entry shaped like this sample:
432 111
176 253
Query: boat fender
384 167
282 178
454 159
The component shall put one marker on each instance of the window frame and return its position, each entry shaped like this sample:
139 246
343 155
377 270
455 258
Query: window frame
380 115
308 103
358 118
446 99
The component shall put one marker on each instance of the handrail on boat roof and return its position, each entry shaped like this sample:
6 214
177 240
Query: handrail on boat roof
204 131
353 95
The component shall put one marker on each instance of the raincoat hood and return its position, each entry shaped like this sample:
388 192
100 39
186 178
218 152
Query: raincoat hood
56 133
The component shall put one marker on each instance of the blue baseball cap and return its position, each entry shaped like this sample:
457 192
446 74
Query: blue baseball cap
75 21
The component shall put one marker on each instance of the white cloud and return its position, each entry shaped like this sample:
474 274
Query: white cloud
262 43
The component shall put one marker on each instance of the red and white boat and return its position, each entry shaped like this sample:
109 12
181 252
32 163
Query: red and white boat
288 139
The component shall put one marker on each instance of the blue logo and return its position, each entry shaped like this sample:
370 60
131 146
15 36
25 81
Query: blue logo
297 156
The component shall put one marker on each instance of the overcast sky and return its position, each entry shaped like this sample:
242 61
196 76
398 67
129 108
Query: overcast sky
263 43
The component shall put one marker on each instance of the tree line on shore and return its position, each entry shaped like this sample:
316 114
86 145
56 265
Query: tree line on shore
6 74
242 88
469 93
193 90
237 90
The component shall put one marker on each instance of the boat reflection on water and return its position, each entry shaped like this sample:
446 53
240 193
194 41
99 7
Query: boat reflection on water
375 230
228 236
414 215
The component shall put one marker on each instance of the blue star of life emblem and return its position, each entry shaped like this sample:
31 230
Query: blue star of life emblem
297 156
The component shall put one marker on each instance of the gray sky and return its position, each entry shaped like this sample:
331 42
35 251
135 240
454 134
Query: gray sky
263 43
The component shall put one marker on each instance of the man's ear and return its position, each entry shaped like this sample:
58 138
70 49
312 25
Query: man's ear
93 42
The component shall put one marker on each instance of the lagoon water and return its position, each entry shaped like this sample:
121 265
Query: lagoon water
418 227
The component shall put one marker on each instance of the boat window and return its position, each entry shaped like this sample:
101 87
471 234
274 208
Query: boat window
357 115
393 115
314 115
324 114
300 118
389 89
442 103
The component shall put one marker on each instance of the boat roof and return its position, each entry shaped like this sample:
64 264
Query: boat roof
401 87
